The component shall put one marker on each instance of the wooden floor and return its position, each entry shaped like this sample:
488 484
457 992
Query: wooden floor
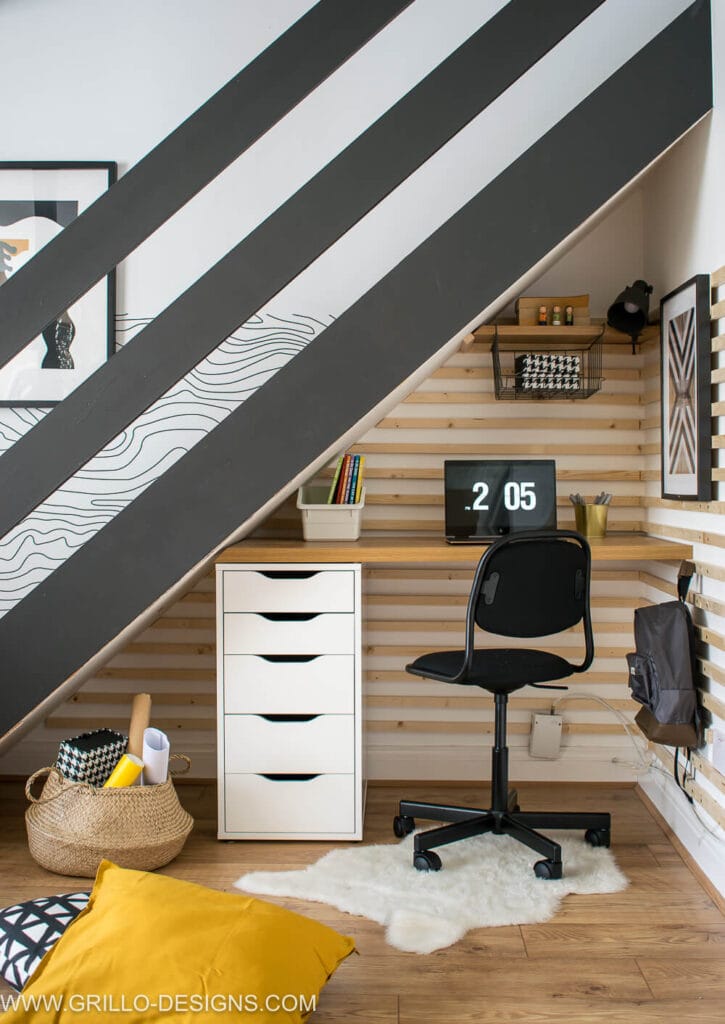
653 953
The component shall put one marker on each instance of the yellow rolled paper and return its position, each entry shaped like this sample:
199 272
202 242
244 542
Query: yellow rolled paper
125 773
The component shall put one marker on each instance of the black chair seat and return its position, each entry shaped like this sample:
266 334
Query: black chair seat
499 670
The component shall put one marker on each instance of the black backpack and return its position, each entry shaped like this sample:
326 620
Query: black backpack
662 670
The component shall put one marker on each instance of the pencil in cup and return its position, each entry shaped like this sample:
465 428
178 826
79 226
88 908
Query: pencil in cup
591 520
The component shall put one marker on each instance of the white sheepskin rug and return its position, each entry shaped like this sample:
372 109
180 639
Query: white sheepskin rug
484 882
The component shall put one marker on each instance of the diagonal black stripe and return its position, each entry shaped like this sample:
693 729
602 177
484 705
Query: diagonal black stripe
183 163
429 296
279 249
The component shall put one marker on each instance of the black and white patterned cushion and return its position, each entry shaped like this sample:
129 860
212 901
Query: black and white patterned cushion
28 930
92 756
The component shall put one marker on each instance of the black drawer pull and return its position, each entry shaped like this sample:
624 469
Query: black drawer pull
280 658
289 718
287 574
288 777
288 616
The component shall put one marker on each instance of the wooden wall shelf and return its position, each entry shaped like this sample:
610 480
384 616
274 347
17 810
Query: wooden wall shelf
561 336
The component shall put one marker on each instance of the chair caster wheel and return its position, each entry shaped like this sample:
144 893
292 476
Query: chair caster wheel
597 836
427 860
547 869
403 825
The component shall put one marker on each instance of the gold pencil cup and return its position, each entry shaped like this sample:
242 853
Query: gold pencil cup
591 520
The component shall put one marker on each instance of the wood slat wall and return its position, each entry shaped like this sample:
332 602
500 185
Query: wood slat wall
702 524
597 445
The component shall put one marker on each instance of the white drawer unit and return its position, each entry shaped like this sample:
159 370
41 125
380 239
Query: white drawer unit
291 807
289 632
289 590
293 683
290 743
289 697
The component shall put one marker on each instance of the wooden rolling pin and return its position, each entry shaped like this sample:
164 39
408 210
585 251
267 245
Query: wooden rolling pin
140 717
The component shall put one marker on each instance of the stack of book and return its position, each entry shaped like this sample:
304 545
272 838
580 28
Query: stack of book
347 482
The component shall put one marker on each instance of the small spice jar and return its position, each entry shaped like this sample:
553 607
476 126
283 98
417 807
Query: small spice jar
556 316
569 316
543 316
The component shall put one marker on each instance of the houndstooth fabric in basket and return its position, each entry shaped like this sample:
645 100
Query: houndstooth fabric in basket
91 757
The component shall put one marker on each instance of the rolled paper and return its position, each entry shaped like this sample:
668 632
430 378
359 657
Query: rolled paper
155 757
125 773
140 716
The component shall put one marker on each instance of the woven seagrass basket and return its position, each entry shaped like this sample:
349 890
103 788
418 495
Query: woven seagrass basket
73 826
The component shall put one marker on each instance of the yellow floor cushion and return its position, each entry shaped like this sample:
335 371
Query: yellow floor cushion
152 948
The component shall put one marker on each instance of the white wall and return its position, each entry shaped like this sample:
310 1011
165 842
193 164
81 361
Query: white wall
607 258
684 235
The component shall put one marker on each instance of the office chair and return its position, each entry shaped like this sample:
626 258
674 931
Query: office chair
526 585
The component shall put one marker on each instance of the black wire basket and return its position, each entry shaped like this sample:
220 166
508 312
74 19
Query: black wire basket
551 369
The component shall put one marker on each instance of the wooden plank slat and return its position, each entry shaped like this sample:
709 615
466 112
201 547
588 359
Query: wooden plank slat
417 650
486 728
715 706
121 724
436 473
164 699
590 678
709 636
449 372
479 703
465 397
501 423
372 524
447 600
413 573
717 277
712 671
410 625
587 450
201 675
188 650
402 498
183 622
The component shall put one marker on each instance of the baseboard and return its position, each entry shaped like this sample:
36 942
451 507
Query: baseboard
702 852
456 764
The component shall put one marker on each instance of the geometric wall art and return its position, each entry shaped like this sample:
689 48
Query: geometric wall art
685 389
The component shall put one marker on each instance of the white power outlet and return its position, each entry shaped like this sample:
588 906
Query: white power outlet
718 750
545 736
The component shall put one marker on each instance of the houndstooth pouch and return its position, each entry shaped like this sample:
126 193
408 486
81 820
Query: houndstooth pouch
91 757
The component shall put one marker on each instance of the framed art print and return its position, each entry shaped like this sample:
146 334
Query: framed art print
685 384
37 201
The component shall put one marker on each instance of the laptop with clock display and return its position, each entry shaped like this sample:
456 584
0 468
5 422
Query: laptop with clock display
489 498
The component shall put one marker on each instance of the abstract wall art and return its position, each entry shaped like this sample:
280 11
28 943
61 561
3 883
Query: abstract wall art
37 201
685 383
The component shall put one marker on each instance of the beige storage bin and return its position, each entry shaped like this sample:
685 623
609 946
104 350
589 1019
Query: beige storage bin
321 521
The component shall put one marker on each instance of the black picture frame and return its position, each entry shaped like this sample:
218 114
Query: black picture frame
686 433
37 200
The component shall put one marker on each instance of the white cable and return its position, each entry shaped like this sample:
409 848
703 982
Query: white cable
627 725
641 763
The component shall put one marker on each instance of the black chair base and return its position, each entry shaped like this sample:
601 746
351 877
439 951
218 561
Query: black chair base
520 825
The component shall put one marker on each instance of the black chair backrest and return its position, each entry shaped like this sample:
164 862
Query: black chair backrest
532 584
